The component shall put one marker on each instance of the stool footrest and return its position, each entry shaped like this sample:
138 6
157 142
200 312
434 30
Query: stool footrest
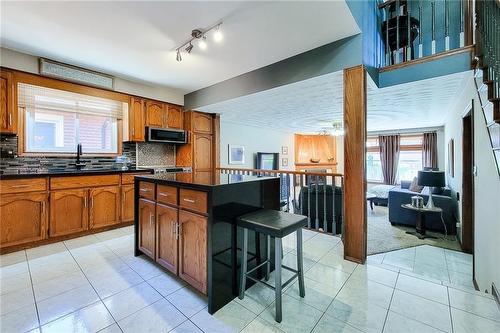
257 267
247 275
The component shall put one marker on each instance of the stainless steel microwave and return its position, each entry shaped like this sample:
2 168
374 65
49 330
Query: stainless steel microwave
167 135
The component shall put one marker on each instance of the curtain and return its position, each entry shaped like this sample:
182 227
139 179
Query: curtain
429 150
389 157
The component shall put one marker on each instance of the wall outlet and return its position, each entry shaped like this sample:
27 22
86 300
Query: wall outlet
474 171
459 225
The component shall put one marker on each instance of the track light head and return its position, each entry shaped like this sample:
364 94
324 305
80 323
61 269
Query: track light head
178 57
189 48
218 34
202 43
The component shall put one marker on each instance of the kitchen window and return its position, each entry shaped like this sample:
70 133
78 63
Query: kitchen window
410 158
56 121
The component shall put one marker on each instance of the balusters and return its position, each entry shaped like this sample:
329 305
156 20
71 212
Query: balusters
334 225
397 31
308 181
316 221
420 32
433 27
325 225
287 177
446 26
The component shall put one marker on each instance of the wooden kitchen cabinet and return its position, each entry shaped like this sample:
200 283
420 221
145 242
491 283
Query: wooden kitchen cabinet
136 122
166 237
127 203
147 227
24 218
174 117
104 206
193 249
68 212
8 116
202 122
156 114
203 164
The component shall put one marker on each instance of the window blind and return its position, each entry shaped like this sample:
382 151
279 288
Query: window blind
34 97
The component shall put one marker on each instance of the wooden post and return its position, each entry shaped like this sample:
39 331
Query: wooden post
355 227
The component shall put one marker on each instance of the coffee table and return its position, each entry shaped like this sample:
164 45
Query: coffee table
420 229
370 197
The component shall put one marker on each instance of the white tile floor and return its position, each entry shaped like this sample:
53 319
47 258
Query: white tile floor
95 284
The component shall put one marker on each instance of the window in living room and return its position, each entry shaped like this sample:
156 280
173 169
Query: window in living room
410 158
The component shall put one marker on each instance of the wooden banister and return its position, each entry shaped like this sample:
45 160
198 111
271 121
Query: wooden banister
290 172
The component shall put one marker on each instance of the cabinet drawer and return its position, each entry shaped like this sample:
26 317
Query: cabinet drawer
57 183
23 185
166 194
147 190
193 200
129 177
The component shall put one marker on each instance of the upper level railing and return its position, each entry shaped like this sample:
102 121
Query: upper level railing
317 195
415 29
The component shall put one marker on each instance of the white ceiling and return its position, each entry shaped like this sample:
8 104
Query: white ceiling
307 106
136 39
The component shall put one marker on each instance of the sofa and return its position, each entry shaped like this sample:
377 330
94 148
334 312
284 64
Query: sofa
444 200
332 198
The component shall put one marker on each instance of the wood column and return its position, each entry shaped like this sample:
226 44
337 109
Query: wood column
355 228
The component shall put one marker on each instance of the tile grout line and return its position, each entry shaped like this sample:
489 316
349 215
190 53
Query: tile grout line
33 290
390 302
449 309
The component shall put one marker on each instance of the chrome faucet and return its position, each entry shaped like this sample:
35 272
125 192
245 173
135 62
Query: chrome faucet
78 163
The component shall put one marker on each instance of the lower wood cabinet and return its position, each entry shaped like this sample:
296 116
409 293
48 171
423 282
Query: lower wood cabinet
68 212
147 228
166 237
24 218
193 249
127 203
104 206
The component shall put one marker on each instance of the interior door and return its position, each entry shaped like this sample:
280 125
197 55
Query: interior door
147 227
68 212
468 183
104 206
193 249
156 114
166 237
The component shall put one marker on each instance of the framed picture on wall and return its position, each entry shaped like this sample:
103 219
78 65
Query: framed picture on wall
451 158
284 161
236 154
284 150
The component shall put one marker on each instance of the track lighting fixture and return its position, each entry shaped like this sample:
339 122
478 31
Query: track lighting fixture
201 36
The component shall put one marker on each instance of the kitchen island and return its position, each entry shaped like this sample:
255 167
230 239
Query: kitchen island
189 228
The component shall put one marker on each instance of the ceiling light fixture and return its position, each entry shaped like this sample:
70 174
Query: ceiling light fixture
201 36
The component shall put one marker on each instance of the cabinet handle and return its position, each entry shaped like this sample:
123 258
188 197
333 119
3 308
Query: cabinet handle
163 194
10 119
177 231
20 186
85 202
151 219
133 131
189 200
144 190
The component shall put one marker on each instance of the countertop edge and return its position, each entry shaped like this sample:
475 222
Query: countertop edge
73 174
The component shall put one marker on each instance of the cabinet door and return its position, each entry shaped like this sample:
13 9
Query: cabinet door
193 249
104 206
147 227
202 152
136 119
8 119
156 115
202 177
202 122
174 117
166 237
24 218
127 203
68 212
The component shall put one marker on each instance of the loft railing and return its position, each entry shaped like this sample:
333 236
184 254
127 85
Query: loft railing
415 29
317 195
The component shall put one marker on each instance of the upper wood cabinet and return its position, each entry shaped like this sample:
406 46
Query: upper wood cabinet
68 212
24 218
147 227
136 119
202 122
166 237
193 249
104 206
8 116
174 117
156 114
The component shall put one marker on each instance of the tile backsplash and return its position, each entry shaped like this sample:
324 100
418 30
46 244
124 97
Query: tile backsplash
142 154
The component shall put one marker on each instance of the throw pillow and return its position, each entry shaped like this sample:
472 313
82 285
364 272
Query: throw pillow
414 187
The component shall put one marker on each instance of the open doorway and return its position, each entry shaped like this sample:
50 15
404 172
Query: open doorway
467 237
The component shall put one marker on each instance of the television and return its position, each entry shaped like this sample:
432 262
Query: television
267 161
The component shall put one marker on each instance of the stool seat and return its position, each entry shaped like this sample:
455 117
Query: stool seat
272 222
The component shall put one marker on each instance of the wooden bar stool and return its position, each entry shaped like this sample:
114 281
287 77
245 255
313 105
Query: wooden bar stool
276 224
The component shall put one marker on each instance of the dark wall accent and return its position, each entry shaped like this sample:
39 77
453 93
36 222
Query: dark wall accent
319 61
27 164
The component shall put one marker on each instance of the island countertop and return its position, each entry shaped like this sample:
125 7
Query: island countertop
190 229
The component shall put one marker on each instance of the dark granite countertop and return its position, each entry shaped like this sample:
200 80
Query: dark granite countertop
223 179
17 174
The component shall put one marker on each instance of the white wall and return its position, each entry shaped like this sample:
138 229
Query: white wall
486 187
255 139
29 63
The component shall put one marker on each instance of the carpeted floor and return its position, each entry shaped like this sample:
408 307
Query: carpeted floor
383 237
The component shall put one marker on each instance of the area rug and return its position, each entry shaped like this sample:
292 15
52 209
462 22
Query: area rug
384 237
